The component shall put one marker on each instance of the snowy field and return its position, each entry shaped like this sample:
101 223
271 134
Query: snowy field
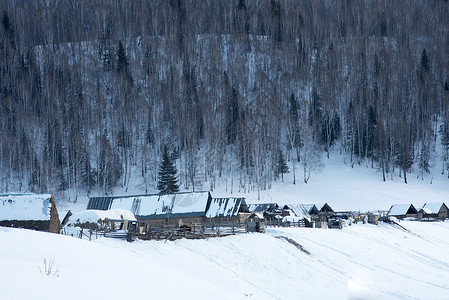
355 188
358 262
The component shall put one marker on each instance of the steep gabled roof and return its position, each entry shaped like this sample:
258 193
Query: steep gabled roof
402 210
25 207
226 207
433 208
311 209
324 207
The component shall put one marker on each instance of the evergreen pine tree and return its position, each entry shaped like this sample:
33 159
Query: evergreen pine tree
122 60
281 167
149 136
233 117
294 115
167 177
424 60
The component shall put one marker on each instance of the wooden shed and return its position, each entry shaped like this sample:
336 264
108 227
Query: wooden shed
29 211
402 211
300 212
180 209
256 223
438 210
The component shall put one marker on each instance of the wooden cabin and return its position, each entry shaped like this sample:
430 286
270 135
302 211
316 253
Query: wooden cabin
175 210
300 212
401 211
29 211
438 210
256 223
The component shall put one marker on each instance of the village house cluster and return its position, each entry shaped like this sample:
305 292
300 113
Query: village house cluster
189 215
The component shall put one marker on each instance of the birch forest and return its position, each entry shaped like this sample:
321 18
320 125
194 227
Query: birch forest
239 91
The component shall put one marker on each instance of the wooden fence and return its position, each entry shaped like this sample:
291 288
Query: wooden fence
279 223
83 233
194 231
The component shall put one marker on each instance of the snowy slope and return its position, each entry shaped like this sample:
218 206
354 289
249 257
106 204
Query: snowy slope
358 262
352 188
344 187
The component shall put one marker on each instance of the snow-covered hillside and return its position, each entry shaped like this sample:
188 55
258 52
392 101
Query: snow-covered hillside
356 188
358 262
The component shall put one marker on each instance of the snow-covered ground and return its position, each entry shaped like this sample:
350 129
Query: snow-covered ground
355 188
358 262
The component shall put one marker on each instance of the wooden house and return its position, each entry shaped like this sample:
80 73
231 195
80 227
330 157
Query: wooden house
30 211
438 210
180 209
401 211
256 223
300 212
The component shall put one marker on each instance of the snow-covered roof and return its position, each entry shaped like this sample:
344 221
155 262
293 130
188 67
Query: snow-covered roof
261 208
401 209
300 211
310 208
93 216
154 206
426 210
25 207
324 207
432 208
190 203
122 203
173 205
224 207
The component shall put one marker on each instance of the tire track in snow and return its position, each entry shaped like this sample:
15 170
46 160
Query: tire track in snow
432 238
418 256
375 268
231 271
419 280
368 286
